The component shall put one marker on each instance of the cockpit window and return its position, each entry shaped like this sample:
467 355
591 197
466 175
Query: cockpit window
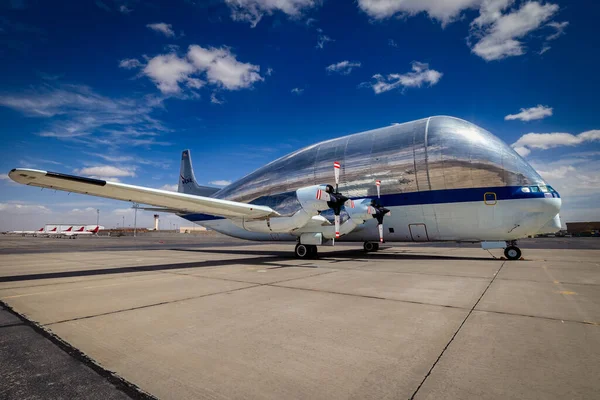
544 189
550 188
535 189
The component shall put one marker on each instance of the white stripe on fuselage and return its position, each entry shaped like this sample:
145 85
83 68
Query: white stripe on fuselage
465 221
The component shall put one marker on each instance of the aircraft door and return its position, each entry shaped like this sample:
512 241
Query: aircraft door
418 232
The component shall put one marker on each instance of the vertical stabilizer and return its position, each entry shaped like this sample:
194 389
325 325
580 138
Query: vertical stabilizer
187 180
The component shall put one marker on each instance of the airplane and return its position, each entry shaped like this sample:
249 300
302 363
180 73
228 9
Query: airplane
434 179
81 232
25 233
56 232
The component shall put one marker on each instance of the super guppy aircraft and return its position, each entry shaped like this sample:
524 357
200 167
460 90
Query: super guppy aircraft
442 178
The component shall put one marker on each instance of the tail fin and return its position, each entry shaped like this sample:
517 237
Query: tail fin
187 180
69 230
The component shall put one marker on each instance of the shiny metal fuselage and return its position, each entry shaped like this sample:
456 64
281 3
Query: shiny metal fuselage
434 172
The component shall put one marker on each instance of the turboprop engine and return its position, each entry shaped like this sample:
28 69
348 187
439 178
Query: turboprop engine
313 199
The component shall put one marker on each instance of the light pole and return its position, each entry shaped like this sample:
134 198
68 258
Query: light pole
123 222
135 205
97 216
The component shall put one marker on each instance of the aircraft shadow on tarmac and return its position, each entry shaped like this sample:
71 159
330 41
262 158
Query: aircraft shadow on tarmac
345 255
266 259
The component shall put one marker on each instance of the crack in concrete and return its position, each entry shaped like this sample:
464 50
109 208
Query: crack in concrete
455 333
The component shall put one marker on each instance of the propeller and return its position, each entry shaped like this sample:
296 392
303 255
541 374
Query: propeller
379 211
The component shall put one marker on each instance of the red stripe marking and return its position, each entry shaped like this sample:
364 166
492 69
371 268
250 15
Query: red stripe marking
378 183
336 164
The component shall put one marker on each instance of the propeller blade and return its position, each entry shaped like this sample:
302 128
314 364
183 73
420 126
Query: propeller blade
336 172
337 226
380 226
378 183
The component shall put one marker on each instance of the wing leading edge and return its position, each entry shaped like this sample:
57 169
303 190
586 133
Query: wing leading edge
139 194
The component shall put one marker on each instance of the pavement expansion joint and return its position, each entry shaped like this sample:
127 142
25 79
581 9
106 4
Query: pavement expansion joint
455 333
540 317
147 306
276 284
130 389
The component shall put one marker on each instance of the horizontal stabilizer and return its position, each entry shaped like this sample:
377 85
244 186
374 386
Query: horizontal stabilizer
155 197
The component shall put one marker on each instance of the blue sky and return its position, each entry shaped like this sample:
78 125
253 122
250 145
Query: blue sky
117 88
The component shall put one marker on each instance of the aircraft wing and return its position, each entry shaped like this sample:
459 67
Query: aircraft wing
138 194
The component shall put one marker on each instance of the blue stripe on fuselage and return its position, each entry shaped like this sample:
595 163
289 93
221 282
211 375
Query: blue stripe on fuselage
433 197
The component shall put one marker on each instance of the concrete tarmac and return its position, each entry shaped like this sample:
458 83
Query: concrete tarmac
250 321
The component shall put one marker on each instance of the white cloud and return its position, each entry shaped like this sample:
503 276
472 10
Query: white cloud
78 114
392 43
530 114
322 39
171 188
14 208
497 35
421 74
161 27
297 91
79 211
576 177
106 171
124 9
343 67
130 63
222 68
253 10
444 11
560 29
219 66
220 182
522 151
167 71
195 83
544 49
215 100
269 72
546 141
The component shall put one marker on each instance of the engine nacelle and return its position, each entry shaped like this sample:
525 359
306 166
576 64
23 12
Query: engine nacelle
313 199
361 210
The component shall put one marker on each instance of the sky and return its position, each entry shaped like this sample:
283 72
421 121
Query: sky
116 89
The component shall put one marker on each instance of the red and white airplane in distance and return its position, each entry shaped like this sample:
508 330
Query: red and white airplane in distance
25 233
81 232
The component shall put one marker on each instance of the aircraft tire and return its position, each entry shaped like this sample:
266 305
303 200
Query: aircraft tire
302 251
312 250
370 246
512 253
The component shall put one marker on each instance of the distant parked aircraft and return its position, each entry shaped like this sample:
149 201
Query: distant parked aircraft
82 232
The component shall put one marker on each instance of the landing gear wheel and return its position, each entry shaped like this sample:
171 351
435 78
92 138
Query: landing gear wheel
303 251
312 251
512 253
370 246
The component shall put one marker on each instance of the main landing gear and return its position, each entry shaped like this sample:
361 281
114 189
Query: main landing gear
512 252
305 251
370 246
